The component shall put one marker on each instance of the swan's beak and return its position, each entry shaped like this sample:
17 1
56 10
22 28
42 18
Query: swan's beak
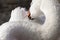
29 15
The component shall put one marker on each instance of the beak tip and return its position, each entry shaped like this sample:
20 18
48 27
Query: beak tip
29 15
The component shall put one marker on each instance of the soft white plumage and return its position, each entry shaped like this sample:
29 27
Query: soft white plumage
50 8
35 8
19 28
18 14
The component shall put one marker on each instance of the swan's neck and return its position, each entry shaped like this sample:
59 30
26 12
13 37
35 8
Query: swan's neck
51 12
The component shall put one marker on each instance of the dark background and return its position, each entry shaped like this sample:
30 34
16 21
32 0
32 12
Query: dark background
6 7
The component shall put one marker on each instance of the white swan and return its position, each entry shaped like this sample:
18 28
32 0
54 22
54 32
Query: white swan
19 28
50 8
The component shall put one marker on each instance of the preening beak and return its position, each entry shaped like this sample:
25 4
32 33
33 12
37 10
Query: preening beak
29 15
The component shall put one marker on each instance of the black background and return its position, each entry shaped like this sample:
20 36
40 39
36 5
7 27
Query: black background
6 7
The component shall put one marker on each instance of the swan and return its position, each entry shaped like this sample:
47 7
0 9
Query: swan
21 28
50 8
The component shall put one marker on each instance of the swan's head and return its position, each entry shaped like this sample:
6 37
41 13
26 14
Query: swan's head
35 11
35 8
18 14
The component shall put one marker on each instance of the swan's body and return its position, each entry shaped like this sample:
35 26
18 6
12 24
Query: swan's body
19 28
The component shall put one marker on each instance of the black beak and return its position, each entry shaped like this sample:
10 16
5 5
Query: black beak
30 18
29 15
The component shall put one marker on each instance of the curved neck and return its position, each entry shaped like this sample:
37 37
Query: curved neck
51 12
